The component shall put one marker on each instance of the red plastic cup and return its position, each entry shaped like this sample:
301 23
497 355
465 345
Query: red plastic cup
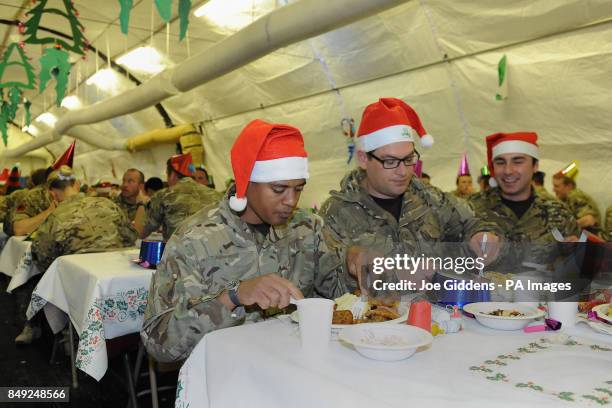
420 315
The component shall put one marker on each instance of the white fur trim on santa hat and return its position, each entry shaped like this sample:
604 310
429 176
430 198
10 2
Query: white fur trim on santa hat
493 182
385 136
286 168
516 146
237 204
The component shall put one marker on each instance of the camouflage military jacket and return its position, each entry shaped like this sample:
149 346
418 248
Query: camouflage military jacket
428 217
129 208
542 192
13 201
168 208
36 201
457 194
81 224
581 204
214 247
3 206
531 235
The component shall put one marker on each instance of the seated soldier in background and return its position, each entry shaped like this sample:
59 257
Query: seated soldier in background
171 206
252 253
153 185
35 207
79 224
538 185
524 216
582 205
132 192
201 176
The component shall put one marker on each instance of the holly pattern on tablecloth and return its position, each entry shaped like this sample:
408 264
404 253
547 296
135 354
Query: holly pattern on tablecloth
120 307
600 394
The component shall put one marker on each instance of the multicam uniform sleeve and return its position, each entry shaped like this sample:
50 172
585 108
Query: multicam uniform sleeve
46 245
153 213
127 232
182 302
582 206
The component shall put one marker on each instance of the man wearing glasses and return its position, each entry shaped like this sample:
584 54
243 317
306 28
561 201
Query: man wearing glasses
382 208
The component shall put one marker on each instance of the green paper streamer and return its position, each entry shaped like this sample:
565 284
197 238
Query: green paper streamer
124 14
14 99
184 8
55 63
23 62
164 8
502 92
28 115
68 13
4 119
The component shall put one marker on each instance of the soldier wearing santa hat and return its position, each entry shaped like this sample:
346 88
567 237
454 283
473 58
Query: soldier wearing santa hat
247 257
524 216
383 208
169 207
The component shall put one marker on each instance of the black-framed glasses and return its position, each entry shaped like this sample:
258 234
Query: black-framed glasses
394 163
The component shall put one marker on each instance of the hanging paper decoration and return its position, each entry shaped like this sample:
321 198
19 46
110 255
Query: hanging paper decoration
124 14
348 129
183 11
28 116
13 102
164 8
69 13
54 62
502 77
24 62
4 120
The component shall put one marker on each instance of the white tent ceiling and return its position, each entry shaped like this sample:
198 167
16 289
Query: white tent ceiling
439 56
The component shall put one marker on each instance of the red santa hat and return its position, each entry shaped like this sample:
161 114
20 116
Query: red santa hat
502 143
266 152
65 159
182 164
4 176
390 120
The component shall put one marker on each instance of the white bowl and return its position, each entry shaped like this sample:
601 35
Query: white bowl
385 342
481 310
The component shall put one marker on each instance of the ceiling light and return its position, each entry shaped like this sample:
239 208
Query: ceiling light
103 79
233 15
47 118
71 102
144 60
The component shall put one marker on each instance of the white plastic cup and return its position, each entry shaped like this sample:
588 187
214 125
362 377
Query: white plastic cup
315 318
564 312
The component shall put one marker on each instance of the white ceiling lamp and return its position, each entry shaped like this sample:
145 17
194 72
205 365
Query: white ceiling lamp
145 60
71 102
232 15
47 118
104 79
33 130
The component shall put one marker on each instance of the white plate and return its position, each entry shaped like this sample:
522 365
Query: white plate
385 342
402 308
599 327
602 312
481 310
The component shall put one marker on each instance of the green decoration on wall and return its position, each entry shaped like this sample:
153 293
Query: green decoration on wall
23 62
69 13
55 63
502 79
4 121
184 8
124 14
164 8
28 115
14 100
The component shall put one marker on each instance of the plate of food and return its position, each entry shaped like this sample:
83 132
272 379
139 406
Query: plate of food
503 315
604 312
376 311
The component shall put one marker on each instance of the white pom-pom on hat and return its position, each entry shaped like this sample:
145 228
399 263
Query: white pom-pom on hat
237 204
427 140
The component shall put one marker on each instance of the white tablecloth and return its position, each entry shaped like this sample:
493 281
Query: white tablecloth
104 295
12 252
25 269
260 365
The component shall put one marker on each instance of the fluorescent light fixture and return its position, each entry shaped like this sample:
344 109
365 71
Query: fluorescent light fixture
71 102
47 118
232 15
105 79
145 60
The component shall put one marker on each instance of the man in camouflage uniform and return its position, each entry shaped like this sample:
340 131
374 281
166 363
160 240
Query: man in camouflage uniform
171 206
227 266
582 205
526 218
383 209
36 206
538 185
132 193
79 224
10 204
